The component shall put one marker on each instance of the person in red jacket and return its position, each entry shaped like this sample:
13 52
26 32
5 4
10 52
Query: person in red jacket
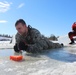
73 33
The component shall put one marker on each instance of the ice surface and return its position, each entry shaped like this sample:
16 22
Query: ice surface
55 62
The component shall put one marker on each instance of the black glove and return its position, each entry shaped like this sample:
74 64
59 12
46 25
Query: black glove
22 46
19 47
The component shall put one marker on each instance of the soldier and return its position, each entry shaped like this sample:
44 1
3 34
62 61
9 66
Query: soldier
73 33
30 40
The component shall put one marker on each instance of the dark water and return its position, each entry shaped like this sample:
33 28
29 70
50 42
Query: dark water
63 54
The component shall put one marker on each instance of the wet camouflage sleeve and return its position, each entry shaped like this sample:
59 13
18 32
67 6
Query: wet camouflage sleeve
36 37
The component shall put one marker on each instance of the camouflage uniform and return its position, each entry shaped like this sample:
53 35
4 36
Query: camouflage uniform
36 42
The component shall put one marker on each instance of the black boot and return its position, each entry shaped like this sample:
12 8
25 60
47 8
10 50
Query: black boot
72 41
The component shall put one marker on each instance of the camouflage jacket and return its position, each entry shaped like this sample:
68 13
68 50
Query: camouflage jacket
37 42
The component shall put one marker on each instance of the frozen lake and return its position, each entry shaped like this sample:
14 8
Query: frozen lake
55 62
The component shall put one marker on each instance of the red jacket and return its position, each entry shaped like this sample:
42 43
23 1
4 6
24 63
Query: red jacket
74 26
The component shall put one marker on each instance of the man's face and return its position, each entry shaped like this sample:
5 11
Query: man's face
21 28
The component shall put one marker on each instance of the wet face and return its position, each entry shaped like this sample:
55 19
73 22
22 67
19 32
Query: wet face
22 29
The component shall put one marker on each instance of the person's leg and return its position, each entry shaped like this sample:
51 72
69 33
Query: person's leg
71 35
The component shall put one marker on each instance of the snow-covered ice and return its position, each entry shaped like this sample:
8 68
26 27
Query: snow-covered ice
9 43
55 62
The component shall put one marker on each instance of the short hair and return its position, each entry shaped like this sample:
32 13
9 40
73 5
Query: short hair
20 21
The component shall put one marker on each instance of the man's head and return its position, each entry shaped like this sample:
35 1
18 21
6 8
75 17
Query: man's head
21 26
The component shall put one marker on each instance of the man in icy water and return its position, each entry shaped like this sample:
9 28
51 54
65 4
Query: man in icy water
30 39
73 33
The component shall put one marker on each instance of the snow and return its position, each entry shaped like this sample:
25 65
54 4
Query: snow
65 40
7 44
40 67
66 69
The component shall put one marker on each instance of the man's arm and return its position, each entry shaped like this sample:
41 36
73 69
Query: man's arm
40 43
36 47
